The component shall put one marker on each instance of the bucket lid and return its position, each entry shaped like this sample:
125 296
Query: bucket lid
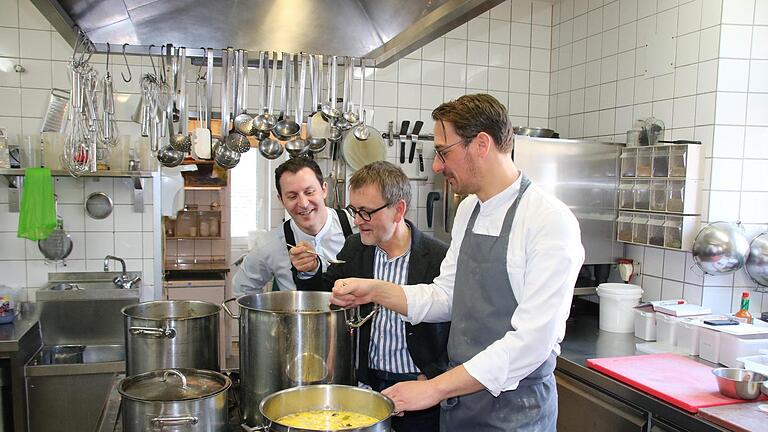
167 385
619 288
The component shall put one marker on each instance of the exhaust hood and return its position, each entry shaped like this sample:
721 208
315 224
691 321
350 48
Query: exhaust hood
381 30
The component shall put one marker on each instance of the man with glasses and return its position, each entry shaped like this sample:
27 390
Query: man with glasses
506 282
302 191
390 248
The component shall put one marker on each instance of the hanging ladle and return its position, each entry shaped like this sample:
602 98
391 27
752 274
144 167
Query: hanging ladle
298 146
361 131
286 128
266 121
329 109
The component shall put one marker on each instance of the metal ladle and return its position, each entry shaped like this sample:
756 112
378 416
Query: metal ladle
287 127
316 144
243 121
180 141
298 146
329 109
361 131
351 117
266 121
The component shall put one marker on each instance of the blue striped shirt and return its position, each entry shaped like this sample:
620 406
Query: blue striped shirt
388 350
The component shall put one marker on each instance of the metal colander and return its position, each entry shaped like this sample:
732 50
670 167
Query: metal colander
98 205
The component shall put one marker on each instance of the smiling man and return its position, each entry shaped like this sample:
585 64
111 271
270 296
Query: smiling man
389 248
312 227
506 283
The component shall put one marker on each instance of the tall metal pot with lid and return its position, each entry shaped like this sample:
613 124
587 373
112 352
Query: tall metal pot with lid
175 399
171 334
289 339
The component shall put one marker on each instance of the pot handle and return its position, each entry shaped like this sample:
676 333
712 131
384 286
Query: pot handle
229 312
354 321
254 428
169 333
161 422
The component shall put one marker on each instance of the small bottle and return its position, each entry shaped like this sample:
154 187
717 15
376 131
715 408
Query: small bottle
743 314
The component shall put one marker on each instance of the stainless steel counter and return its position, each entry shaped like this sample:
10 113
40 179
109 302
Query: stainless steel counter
19 341
584 340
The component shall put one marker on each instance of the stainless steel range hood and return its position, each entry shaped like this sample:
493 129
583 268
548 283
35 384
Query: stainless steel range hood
382 30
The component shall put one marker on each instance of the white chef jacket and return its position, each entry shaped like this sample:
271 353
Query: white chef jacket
269 257
543 260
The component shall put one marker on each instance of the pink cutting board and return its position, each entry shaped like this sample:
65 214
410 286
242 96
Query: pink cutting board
673 378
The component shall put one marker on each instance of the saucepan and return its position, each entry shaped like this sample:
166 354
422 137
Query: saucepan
326 397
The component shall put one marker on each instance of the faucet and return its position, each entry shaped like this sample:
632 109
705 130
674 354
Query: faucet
122 281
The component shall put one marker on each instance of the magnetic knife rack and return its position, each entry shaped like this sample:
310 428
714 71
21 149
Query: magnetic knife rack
390 135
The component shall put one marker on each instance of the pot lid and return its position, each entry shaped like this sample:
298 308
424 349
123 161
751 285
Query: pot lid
174 385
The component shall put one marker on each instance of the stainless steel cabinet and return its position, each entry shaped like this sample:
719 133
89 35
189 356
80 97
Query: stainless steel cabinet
584 408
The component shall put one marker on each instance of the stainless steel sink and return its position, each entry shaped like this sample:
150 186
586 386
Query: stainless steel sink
86 286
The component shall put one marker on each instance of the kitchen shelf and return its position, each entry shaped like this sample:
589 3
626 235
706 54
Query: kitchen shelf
196 238
64 173
204 188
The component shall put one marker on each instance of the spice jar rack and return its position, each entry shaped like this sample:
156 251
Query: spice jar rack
662 161
666 231
659 194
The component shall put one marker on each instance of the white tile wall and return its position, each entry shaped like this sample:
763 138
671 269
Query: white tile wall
718 93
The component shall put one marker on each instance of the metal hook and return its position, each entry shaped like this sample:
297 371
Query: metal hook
200 69
149 52
109 49
130 76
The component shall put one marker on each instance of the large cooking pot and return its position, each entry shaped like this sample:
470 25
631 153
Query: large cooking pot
171 334
720 248
289 339
326 397
175 399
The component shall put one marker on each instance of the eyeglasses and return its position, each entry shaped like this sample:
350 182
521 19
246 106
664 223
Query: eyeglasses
364 214
443 150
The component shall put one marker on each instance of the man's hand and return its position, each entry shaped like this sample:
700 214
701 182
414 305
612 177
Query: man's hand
304 258
413 395
353 291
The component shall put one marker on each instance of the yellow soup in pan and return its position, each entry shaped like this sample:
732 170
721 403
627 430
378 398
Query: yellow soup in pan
327 420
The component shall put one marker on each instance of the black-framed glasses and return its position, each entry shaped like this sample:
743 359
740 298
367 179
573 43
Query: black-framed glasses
443 150
364 214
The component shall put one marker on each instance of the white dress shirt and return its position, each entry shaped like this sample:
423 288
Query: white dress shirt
543 260
269 257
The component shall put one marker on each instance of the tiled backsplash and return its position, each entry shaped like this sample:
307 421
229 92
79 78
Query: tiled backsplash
716 94
577 66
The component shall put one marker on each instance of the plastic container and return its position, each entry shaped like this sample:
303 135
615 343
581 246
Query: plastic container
656 230
643 162
757 363
687 338
660 161
640 229
625 227
645 325
733 347
666 329
617 301
642 195
628 162
709 344
627 195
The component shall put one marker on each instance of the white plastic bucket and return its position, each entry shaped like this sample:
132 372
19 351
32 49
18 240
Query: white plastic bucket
617 303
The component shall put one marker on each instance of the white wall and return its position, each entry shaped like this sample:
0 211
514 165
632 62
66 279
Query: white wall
27 39
716 94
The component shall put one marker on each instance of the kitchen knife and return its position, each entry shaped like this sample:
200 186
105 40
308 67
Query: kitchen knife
420 151
403 135
414 139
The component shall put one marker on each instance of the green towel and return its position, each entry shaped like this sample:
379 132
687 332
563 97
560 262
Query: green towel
37 218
